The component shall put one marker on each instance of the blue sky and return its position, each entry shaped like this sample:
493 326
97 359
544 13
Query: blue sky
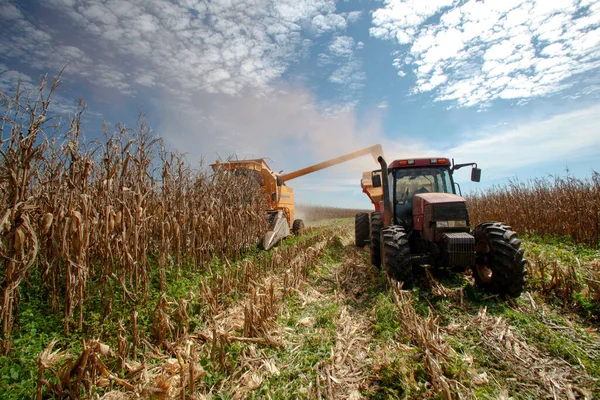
513 85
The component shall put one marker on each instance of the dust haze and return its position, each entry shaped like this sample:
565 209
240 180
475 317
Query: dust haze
287 126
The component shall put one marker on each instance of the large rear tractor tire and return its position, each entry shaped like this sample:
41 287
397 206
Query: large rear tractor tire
499 263
361 229
375 244
395 254
298 227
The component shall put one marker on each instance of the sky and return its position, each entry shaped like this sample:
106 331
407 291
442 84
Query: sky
512 85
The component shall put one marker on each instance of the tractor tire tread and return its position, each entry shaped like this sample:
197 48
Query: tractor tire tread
396 254
298 227
375 243
505 259
361 229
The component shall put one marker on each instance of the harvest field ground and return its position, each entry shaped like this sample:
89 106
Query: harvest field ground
316 320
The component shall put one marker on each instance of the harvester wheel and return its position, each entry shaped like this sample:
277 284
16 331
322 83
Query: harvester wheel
376 225
298 227
361 229
499 264
395 254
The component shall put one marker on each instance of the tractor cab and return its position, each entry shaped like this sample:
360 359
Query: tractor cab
410 180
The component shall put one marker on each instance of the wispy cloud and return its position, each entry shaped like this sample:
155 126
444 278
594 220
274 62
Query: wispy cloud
562 139
348 72
473 52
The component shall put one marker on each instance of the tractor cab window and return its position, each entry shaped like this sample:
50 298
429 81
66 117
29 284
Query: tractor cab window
411 181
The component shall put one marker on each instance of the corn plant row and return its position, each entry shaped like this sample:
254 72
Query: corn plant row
260 283
102 218
553 206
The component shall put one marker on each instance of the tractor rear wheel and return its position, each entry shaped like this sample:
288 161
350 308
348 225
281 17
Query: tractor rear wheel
375 244
361 229
395 254
499 263
298 227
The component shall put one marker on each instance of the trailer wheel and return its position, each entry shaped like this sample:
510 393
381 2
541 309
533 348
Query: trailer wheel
375 244
395 254
499 263
298 227
361 229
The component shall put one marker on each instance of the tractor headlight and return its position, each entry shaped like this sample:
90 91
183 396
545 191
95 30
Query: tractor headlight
451 224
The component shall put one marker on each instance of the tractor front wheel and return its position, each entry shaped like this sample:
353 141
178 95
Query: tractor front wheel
298 227
395 254
361 229
375 244
499 263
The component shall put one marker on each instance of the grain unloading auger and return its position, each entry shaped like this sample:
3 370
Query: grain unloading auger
280 197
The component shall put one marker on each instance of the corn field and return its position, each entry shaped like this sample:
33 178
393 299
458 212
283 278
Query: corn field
102 219
554 206
110 226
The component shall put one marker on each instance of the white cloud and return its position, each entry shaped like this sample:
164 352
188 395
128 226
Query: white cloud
329 22
349 74
218 46
323 60
9 12
398 19
353 16
342 46
479 51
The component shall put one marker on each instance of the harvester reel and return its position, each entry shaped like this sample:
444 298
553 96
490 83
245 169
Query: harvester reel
499 264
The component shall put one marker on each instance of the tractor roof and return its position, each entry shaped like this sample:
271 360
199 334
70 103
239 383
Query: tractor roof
420 162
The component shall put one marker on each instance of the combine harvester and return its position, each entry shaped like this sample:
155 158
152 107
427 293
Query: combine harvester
419 219
280 197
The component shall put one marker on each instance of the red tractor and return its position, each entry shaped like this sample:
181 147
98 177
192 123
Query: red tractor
419 219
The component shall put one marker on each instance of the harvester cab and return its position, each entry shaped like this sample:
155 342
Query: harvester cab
419 219
279 196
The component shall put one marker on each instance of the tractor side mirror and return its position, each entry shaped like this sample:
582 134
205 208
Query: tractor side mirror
476 174
376 180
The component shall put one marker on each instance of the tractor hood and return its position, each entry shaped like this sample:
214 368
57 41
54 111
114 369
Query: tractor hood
447 207
421 199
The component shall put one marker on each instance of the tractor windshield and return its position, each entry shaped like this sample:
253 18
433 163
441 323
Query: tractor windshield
411 181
